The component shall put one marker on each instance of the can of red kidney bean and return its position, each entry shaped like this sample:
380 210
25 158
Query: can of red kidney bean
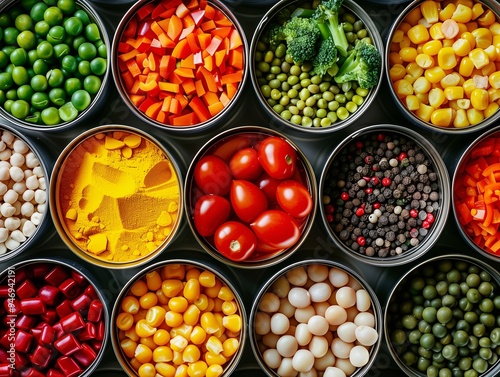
385 195
56 318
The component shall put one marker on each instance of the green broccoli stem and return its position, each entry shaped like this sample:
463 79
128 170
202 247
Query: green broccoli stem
324 30
302 12
338 35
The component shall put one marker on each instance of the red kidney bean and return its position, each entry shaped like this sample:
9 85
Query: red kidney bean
49 294
72 322
32 372
26 289
88 333
55 276
69 288
50 317
90 291
95 311
67 345
81 303
41 356
6 370
79 278
58 329
54 373
85 355
26 322
64 308
32 306
4 292
68 366
47 335
23 341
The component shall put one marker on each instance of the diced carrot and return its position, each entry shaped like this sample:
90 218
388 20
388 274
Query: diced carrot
161 117
181 11
145 11
163 23
236 58
210 97
215 108
204 40
128 80
135 87
183 101
235 39
153 110
148 86
167 66
167 13
159 9
181 50
222 32
208 25
148 101
192 4
133 68
169 87
137 99
208 63
128 55
232 78
188 86
184 120
224 99
188 62
220 57
221 19
166 103
193 43
184 72
188 21
199 109
175 107
200 90
209 12
174 27
175 78
231 89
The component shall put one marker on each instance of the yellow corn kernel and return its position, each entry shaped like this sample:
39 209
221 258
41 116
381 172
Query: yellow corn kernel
411 79
212 292
495 28
414 69
470 38
210 305
181 371
214 345
452 79
172 287
424 112
494 80
466 67
487 18
193 273
442 117
183 330
447 58
475 116
198 335
177 358
139 288
424 61
192 290
432 47
468 86
153 280
483 37
232 322
225 294
165 369
397 72
423 97
173 319
173 271
463 103
135 364
148 300
397 37
162 299
447 12
191 315
413 16
130 304
212 358
161 337
404 27
461 120
429 11
219 318
436 31
207 279
462 14
470 26
408 54
418 34
395 58
148 341
403 88
230 346
124 321
191 354
488 69
461 47
131 334
128 347
229 307
448 42
421 85
492 53
155 316
209 323
143 329
214 370
491 109
178 304
436 97
479 99
141 314
202 302
147 370
454 92
406 42
143 353
477 10
494 94
178 343
434 74
197 369
479 58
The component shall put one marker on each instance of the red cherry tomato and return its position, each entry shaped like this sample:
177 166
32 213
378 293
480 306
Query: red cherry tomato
268 185
294 198
235 240
277 157
245 164
210 212
212 175
276 228
247 199
265 248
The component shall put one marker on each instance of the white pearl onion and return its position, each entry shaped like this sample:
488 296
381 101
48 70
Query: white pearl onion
286 368
320 292
318 325
359 356
335 315
279 323
287 345
303 360
302 334
366 335
272 358
318 346
334 372
337 277
297 276
317 272
365 318
363 301
340 348
299 297
346 297
346 332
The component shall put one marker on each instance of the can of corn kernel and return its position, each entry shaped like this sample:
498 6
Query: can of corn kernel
70 303
190 272
116 196
25 182
322 281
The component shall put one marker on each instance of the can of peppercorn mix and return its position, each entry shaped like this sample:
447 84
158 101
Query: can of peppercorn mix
57 315
385 195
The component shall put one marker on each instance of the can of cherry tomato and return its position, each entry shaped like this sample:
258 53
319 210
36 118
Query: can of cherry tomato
188 306
57 317
250 197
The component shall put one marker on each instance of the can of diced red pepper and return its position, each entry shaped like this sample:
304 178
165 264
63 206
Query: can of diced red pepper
179 316
55 318
475 193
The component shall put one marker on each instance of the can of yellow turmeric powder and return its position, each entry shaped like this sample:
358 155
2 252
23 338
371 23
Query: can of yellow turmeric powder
116 196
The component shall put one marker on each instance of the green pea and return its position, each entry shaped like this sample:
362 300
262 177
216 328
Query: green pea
102 49
4 59
351 107
39 83
10 36
300 104
92 32
362 33
333 105
87 51
83 16
480 365
278 108
326 122
20 109
26 39
342 113
306 121
45 50
280 50
57 96
39 100
340 98
332 115
50 116
296 119
42 28
432 371
286 114
8 105
53 16
19 56
40 67
20 75
305 82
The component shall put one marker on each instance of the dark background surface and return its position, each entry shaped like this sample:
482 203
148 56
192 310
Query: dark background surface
248 111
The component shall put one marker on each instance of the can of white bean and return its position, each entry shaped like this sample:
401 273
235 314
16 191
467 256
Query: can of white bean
23 188
315 316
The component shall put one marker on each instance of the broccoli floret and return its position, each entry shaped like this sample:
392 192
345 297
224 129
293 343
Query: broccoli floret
275 35
362 65
301 35
325 60
327 15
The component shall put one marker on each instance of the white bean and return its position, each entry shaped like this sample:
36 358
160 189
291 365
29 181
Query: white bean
286 368
5 155
363 300
31 160
317 272
286 308
41 207
346 297
366 336
281 287
7 210
27 209
28 228
42 183
334 372
303 360
335 315
38 171
16 173
346 332
320 308
337 277
272 358
340 348
32 182
12 244
17 159
3 188
302 334
269 303
19 187
311 373
287 345
320 292
324 362
318 346
345 365
36 218
2 145
302 315
40 196
4 234
28 195
18 236
4 173
318 325
20 146
297 276
359 356
279 323
299 297
12 223
3 248
262 323
8 137
10 197
270 340
365 318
